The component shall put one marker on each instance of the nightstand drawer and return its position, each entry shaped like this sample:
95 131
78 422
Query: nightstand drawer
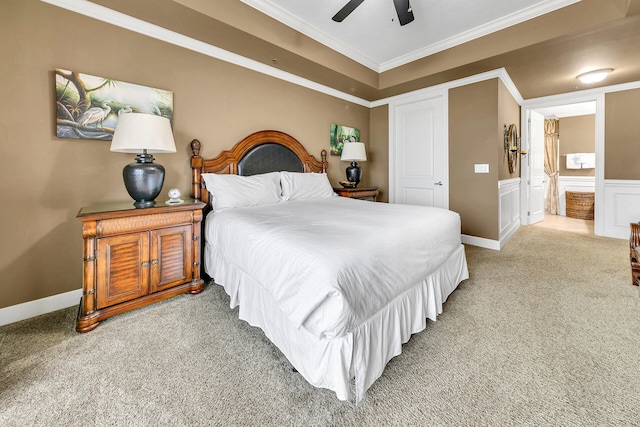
142 222
362 193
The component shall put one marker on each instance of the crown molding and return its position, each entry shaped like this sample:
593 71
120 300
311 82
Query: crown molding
475 33
577 96
127 22
499 73
130 23
287 18
292 21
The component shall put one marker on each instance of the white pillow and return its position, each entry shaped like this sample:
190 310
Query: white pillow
235 191
300 186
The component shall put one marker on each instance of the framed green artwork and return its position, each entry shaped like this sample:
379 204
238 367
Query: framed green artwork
339 135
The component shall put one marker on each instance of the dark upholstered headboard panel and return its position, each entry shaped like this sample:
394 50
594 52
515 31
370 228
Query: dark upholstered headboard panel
269 157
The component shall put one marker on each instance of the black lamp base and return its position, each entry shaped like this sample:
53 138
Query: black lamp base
140 204
143 180
354 173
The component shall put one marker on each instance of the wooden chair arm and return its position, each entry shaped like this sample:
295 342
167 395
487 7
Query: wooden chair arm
634 238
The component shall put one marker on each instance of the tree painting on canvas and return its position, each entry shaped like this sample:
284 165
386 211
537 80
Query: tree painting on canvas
339 135
87 107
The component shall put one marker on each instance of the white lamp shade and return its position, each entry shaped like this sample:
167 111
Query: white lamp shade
137 131
354 151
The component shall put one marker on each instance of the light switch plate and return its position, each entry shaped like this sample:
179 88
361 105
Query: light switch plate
481 168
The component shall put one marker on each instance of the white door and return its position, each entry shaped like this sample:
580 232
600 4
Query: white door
536 168
420 169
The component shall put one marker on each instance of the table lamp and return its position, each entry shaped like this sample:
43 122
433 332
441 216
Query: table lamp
354 152
143 134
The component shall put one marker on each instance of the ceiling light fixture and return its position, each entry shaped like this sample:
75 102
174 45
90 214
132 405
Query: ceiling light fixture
594 76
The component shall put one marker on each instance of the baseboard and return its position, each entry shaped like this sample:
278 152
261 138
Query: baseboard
26 310
506 235
481 242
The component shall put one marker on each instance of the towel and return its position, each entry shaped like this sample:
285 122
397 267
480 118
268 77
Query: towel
581 161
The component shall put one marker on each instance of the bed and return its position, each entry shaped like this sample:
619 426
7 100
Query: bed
337 284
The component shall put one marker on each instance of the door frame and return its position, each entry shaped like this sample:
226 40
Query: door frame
555 101
526 170
442 93
444 143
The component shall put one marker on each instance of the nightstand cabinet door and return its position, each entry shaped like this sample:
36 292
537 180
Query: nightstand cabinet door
172 259
122 268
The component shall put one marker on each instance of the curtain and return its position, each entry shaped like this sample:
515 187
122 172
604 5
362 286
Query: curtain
551 166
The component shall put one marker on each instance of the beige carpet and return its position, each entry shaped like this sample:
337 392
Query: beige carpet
546 332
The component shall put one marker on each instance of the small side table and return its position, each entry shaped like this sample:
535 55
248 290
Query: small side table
363 193
135 257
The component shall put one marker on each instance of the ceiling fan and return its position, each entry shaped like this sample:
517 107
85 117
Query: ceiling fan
403 8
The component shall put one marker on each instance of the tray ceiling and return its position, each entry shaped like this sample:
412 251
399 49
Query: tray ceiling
372 36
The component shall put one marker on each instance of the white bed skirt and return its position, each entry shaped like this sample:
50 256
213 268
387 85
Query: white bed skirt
360 355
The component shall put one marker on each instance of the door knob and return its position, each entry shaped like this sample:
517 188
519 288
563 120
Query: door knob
437 183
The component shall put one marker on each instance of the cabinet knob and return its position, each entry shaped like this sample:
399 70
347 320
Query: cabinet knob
145 264
154 262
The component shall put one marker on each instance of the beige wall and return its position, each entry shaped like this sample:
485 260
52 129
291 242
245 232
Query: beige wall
47 179
622 135
473 138
378 154
577 135
477 115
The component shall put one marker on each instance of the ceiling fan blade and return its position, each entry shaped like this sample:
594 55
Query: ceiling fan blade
346 10
403 8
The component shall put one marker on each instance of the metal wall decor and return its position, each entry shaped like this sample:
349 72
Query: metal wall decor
511 145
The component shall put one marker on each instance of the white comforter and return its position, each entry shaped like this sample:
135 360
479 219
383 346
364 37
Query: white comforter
331 263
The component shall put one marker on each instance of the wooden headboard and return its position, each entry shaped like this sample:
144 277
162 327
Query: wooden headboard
260 152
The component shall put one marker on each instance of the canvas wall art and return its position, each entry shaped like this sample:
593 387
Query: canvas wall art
87 107
339 135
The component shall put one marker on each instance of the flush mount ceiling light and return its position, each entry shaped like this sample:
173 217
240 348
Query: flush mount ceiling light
594 76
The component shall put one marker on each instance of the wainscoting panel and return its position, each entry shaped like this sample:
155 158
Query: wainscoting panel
509 208
621 207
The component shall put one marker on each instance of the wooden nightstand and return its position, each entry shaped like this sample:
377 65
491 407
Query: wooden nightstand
364 193
135 257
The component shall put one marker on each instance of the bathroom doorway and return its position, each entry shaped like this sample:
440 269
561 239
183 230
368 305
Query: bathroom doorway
583 118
